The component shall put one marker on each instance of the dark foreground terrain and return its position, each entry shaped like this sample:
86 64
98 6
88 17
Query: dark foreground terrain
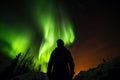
108 70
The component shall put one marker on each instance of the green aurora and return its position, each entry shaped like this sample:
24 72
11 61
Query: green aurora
52 23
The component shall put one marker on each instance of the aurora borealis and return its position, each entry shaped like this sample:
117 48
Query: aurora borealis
92 25
52 23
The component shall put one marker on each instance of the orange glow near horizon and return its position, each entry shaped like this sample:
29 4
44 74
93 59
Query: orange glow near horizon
87 62
91 54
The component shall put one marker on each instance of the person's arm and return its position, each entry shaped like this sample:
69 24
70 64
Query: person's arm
71 64
50 64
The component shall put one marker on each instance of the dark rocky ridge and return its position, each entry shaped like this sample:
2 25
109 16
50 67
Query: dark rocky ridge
108 70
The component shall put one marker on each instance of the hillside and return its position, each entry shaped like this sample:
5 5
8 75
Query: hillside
109 70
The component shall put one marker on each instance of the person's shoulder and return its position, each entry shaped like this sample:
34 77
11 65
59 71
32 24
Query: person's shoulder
67 50
54 50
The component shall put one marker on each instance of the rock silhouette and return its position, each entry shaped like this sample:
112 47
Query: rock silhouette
108 70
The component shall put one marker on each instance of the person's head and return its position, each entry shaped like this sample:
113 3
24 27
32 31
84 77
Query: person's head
60 43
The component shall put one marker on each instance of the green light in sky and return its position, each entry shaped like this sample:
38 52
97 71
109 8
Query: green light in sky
53 26
17 40
52 23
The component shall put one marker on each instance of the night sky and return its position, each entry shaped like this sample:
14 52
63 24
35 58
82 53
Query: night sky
96 27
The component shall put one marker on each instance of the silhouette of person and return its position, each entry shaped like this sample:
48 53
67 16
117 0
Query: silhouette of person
61 65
